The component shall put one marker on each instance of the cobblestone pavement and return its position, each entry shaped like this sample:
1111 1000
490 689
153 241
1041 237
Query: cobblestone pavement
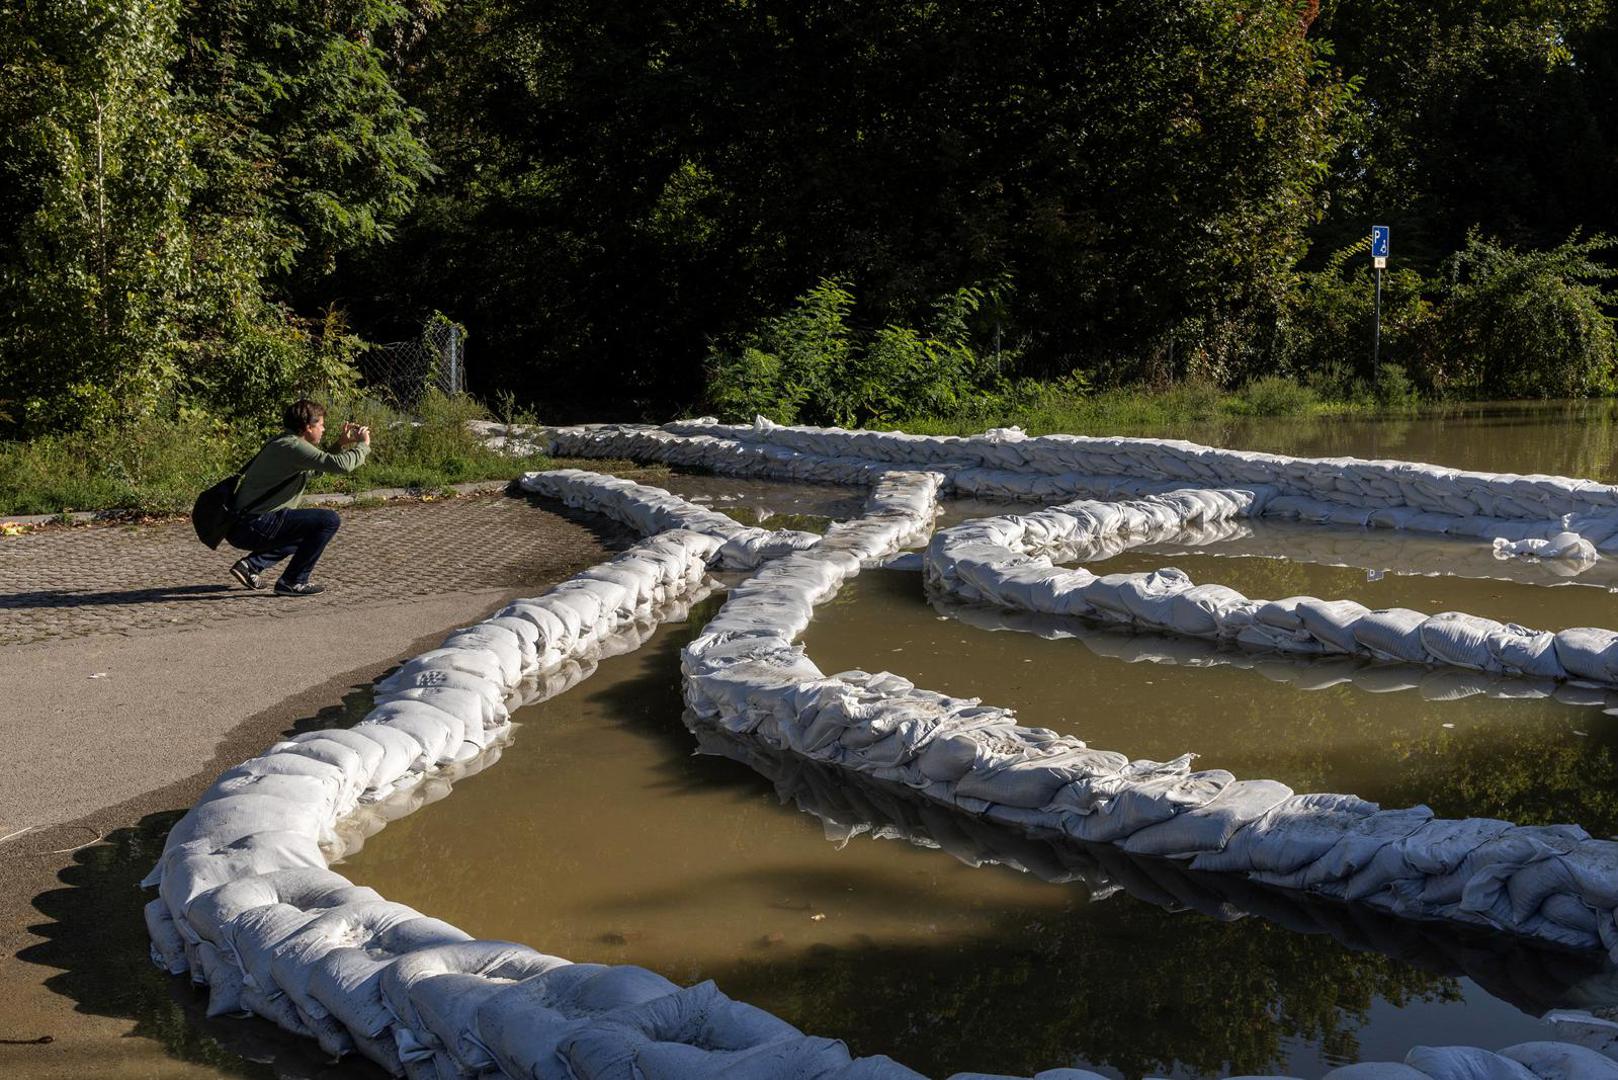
64 583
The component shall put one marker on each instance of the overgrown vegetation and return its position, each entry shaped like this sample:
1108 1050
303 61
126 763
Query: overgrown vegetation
210 206
157 466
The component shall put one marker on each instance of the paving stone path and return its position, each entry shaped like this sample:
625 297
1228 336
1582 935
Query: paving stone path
70 582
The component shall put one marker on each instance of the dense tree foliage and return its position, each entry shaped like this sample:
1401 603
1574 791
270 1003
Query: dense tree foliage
198 200
625 183
171 168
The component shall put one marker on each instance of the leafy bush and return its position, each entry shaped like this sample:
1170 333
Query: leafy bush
1327 334
1392 388
1524 324
809 365
1275 395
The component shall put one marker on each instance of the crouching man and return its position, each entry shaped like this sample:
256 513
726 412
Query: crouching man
268 523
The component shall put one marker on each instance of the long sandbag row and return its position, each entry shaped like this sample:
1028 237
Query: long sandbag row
1001 561
654 510
725 456
745 676
1347 480
1306 673
248 907
1574 537
1535 980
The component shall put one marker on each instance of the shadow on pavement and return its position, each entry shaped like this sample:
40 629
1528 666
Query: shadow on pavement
71 598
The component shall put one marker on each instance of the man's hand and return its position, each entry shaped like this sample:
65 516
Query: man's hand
353 433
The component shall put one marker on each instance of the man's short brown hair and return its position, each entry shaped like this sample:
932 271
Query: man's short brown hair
301 414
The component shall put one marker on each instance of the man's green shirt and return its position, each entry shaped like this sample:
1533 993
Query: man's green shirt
276 479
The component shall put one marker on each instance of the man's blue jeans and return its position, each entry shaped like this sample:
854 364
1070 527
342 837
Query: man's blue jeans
302 534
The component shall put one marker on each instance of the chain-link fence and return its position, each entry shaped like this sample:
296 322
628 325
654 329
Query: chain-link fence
402 371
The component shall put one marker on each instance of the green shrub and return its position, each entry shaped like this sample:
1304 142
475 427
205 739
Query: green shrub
1274 395
1392 388
1327 335
809 365
1524 324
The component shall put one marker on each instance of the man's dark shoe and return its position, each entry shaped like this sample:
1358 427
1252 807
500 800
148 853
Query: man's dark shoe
302 588
242 573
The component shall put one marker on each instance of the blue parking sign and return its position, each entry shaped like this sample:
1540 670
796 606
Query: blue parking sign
1380 237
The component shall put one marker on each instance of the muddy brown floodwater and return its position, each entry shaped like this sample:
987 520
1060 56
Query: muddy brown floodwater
603 835
600 837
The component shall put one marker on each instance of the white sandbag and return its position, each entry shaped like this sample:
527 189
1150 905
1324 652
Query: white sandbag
1332 622
475 711
1460 639
438 731
477 661
1465 1063
501 960
1589 653
1209 827
1522 651
1393 634
190 869
492 691
328 795
348 955
223 821
303 888
1289 836
1562 1061
168 948
504 644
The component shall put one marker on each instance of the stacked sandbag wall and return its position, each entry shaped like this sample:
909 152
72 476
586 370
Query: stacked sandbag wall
1002 561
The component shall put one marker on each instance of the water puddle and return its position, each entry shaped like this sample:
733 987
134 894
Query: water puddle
602 837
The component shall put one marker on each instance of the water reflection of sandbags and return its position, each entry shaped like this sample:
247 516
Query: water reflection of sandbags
1533 978
1304 673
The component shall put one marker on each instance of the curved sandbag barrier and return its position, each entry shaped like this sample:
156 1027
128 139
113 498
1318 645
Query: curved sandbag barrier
1300 671
653 510
1538 516
1591 508
1003 561
249 908
1533 979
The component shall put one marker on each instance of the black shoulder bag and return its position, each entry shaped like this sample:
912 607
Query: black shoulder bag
214 512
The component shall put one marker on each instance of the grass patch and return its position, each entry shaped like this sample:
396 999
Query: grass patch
1047 410
159 466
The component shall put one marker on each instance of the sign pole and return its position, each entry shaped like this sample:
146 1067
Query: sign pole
1381 237
1376 341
